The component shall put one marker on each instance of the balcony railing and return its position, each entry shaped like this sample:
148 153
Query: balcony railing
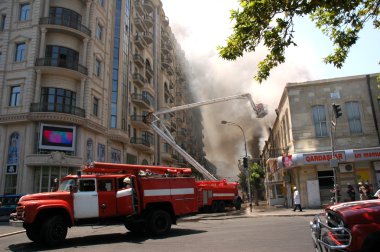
64 21
57 107
73 65
140 97
136 140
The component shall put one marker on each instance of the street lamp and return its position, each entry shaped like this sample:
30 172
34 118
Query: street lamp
245 160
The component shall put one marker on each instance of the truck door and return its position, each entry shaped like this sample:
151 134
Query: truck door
86 199
124 199
106 198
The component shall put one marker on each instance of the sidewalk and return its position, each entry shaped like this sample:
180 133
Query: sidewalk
257 211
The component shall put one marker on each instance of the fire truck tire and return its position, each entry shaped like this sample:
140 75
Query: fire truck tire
372 242
214 207
54 230
221 206
33 232
237 205
159 222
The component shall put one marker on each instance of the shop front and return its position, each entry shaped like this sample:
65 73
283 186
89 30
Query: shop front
312 174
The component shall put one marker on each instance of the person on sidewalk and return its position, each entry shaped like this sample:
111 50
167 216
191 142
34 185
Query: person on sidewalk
297 200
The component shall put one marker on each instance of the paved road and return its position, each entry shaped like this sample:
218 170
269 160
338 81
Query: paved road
272 230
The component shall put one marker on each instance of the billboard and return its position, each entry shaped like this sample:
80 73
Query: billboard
57 137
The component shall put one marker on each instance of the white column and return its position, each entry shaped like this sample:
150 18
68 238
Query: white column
42 43
37 93
46 8
85 47
82 83
88 8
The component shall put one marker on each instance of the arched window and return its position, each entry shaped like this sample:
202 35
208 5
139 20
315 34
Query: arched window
13 150
145 162
90 151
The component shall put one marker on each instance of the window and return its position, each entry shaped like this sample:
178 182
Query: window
353 117
13 150
20 52
86 185
95 106
15 96
24 12
57 99
99 32
115 156
2 22
90 150
98 67
320 123
101 2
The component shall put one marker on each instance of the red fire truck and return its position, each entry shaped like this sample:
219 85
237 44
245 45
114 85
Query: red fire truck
214 196
151 202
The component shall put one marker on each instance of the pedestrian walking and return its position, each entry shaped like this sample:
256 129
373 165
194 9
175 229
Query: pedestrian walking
362 191
350 192
297 200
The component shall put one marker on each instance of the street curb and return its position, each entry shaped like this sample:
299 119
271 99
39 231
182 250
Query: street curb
13 233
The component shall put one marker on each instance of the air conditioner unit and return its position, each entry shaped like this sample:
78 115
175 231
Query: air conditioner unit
346 168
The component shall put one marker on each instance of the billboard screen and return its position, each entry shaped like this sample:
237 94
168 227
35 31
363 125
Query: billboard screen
56 137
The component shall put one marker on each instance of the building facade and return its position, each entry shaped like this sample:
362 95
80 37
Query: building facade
298 151
77 78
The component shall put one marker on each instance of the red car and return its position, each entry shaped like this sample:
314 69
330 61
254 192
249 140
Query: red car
349 226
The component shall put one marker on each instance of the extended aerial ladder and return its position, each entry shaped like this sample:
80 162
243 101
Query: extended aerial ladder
155 123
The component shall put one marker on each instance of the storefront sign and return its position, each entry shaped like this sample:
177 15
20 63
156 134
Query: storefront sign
367 154
318 158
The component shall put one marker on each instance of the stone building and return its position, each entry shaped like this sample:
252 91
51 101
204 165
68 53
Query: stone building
77 78
298 151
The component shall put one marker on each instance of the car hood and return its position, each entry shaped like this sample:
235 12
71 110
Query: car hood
365 211
44 196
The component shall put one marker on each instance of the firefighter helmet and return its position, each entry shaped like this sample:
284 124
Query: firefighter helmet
127 181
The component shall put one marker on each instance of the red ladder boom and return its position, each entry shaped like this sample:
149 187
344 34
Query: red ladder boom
100 167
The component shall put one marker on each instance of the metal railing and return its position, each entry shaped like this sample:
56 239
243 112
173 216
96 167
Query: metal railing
69 64
57 107
65 21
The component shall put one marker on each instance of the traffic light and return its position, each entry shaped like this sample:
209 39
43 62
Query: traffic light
245 162
337 110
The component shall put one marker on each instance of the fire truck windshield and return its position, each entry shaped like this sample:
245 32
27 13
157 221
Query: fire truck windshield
66 184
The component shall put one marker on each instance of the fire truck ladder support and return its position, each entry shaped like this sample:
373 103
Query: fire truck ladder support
155 123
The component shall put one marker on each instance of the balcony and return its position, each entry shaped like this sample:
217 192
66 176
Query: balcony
164 49
165 35
141 100
139 24
165 21
148 21
139 8
148 37
149 88
148 71
138 60
165 63
169 70
58 108
65 22
148 6
139 41
138 121
68 64
138 79
142 144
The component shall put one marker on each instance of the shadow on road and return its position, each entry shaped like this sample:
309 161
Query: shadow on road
77 242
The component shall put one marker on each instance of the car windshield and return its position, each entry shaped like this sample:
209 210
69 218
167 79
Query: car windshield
66 184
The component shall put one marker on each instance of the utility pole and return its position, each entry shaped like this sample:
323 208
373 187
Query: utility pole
337 111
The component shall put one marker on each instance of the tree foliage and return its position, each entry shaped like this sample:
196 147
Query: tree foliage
272 23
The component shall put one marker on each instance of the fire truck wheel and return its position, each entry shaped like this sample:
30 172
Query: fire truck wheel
214 207
54 230
372 242
237 205
159 222
33 232
221 206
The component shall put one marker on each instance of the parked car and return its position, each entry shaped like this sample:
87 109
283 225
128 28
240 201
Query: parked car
8 204
349 226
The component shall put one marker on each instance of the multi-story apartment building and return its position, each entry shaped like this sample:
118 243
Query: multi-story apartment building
299 148
77 78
